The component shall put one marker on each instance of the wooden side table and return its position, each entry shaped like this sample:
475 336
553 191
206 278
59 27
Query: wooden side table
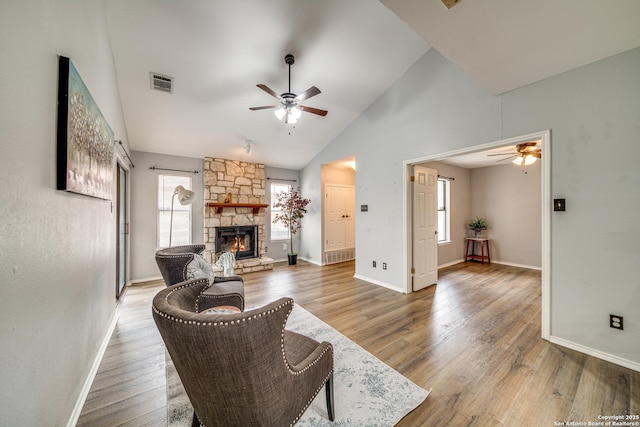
471 243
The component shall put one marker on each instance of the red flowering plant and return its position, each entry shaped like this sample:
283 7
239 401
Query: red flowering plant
293 207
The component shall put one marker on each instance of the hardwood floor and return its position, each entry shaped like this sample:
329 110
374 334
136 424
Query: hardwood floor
474 338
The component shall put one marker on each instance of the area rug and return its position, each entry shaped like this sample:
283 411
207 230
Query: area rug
367 392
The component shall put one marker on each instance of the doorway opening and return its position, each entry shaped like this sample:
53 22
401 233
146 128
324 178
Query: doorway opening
544 138
338 211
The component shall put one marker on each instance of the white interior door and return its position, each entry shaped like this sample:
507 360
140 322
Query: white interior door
349 217
425 227
339 217
334 225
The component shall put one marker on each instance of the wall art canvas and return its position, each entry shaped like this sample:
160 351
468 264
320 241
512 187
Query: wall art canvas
85 140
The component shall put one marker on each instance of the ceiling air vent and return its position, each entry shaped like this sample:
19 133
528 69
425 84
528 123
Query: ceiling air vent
160 82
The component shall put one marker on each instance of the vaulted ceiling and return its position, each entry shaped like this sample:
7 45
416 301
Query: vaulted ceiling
354 50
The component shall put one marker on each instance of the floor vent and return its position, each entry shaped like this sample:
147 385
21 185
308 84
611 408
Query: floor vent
341 255
162 83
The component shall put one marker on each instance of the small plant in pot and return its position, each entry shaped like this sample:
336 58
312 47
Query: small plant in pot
293 208
477 225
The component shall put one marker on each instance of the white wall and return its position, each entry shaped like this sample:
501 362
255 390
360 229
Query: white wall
57 249
594 115
144 207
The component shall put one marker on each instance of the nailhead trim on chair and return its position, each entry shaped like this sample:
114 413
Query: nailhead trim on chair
312 398
289 306
184 269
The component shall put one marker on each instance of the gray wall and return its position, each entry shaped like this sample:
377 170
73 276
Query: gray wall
594 115
144 205
433 108
510 202
276 248
57 249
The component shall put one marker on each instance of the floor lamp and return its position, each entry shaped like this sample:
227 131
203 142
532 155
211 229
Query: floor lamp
185 197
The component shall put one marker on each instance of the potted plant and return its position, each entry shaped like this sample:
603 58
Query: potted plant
477 225
293 209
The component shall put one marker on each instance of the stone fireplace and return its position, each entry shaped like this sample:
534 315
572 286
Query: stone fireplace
234 199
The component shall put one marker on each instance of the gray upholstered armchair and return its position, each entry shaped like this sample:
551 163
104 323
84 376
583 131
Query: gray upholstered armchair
242 369
173 264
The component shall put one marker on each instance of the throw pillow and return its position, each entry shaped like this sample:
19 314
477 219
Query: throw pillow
200 267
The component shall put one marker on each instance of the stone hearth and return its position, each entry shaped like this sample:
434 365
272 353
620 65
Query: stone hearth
232 181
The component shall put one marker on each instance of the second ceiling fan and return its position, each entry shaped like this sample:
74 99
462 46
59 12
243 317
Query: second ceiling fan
290 108
526 154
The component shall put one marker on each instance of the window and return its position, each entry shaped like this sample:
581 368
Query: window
279 231
181 234
443 210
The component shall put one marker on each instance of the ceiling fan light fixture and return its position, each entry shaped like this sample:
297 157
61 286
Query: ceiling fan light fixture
279 112
525 160
289 108
296 112
290 117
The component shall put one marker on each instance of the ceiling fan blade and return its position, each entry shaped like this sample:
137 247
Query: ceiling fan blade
314 110
507 158
312 91
503 154
536 154
527 144
268 90
266 107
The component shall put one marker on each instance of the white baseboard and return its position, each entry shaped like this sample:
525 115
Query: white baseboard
448 264
512 264
596 353
77 410
309 260
377 282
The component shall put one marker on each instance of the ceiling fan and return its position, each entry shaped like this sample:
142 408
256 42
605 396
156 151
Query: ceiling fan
289 107
526 154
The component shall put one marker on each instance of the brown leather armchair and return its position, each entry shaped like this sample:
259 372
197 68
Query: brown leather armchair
172 263
242 369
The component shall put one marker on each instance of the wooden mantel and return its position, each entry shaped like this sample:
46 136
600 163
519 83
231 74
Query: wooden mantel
255 206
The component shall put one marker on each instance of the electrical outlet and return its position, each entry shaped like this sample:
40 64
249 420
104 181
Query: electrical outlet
374 264
284 246
384 265
615 322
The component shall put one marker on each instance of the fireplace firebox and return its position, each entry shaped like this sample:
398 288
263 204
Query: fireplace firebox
242 240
